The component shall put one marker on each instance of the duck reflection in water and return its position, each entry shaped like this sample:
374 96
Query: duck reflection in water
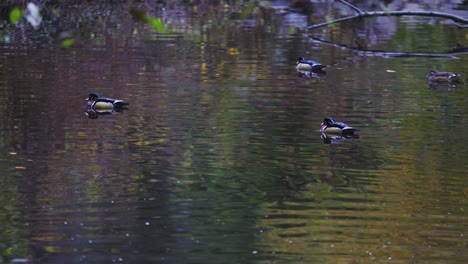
311 74
94 114
336 139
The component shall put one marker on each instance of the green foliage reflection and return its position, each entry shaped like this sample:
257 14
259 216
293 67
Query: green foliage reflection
141 16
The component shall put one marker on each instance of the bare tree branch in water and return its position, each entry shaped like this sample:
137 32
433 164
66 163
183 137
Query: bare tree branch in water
389 54
462 22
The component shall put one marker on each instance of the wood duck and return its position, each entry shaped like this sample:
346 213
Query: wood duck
308 65
96 102
330 126
443 77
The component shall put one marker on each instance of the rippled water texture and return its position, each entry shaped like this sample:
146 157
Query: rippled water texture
219 158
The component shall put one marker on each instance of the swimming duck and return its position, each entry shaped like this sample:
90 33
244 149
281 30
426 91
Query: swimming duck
330 126
443 77
308 65
95 101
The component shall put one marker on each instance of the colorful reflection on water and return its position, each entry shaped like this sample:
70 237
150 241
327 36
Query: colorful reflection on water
219 157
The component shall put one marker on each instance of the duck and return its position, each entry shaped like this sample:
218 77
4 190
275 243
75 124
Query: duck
330 126
435 76
308 65
96 102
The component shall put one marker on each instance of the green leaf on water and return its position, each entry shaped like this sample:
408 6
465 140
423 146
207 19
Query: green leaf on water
67 42
15 15
157 24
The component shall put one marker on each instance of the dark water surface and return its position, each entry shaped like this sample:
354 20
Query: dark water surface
219 158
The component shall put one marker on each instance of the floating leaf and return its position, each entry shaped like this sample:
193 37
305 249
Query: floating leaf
15 15
67 42
157 24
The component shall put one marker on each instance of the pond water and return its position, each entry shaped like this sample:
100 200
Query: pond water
219 158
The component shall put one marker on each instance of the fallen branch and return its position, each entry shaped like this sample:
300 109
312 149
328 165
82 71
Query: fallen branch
359 11
389 54
362 14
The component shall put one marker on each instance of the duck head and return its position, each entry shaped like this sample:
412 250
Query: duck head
300 60
432 72
328 121
93 96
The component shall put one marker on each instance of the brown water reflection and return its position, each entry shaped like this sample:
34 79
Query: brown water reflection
219 156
